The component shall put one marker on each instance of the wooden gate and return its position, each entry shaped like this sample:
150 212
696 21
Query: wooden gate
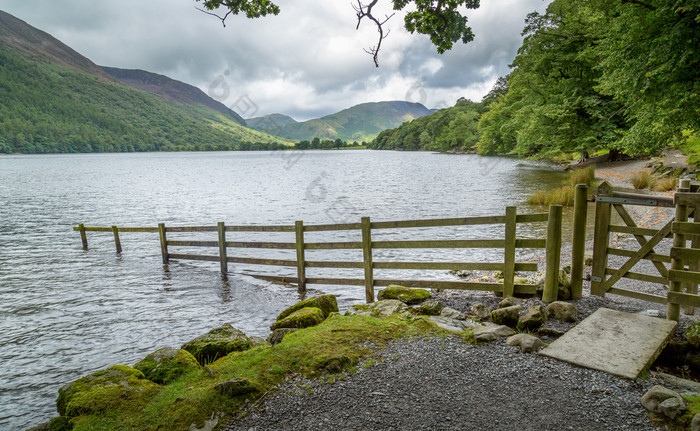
678 268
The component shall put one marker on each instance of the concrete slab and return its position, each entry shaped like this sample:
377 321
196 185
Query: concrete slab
615 342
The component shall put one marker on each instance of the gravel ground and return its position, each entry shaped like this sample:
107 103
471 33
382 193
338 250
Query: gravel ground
446 384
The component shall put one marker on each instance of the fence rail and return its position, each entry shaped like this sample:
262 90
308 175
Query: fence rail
509 243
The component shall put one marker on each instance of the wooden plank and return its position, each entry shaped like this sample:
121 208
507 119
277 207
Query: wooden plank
578 240
207 258
265 245
301 260
685 253
509 252
121 229
83 236
649 256
553 254
673 311
641 240
646 248
255 261
686 299
194 243
193 229
661 201
334 264
163 243
638 295
463 221
686 198
532 218
117 242
687 228
223 262
260 228
367 258
679 275
640 276
467 266
332 227
333 245
636 230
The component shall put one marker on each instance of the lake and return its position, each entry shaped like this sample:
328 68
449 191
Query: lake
65 312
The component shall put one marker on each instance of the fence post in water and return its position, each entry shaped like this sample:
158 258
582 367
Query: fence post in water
673 311
601 239
223 260
117 243
301 259
367 255
551 280
578 240
163 243
83 236
509 259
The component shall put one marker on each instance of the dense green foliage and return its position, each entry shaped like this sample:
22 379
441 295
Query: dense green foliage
46 108
448 129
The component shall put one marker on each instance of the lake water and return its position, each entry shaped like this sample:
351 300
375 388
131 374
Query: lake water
65 312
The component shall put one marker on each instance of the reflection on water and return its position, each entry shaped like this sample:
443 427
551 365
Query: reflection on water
65 312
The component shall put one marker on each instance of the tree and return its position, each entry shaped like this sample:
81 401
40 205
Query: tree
442 20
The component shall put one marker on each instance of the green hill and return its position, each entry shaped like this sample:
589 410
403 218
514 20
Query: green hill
360 123
52 99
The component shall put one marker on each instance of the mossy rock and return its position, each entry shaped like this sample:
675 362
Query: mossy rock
692 334
104 390
217 343
304 318
380 309
166 365
406 295
60 424
430 308
326 303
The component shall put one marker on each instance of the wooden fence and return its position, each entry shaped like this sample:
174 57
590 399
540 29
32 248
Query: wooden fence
509 243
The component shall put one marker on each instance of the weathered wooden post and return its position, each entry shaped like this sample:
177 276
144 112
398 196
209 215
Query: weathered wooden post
367 258
83 235
578 240
553 254
117 242
673 311
301 259
163 243
223 259
509 252
601 238
693 265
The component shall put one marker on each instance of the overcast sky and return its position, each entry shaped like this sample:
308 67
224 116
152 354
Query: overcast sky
307 62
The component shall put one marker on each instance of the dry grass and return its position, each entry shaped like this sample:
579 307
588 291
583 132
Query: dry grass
582 176
642 180
665 184
563 195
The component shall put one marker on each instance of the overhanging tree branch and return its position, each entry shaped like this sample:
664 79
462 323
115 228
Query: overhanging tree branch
365 11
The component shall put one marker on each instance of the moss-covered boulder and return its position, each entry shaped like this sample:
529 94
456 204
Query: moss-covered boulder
236 387
381 309
692 334
166 365
506 316
430 308
217 343
326 303
304 318
535 317
104 390
406 295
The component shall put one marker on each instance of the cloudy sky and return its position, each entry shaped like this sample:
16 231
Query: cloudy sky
307 62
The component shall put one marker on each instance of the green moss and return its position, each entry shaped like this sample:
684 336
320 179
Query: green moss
692 334
326 303
303 318
431 308
165 365
217 343
104 390
404 294
60 424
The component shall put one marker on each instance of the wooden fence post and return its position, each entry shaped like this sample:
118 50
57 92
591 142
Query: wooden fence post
223 260
83 236
673 311
693 265
367 255
578 240
601 239
163 243
301 259
117 242
553 253
509 251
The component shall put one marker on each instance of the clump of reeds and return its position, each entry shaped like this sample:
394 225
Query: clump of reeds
665 184
642 180
564 195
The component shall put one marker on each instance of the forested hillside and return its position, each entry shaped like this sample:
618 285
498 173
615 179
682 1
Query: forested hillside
590 76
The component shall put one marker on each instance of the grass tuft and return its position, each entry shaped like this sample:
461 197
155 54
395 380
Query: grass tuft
642 180
564 195
582 176
665 184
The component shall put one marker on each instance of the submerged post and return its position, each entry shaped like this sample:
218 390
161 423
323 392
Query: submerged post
367 255
117 242
509 251
553 254
163 243
223 259
83 236
673 311
301 259
578 240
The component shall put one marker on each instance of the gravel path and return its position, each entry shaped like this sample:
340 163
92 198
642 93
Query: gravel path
446 384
